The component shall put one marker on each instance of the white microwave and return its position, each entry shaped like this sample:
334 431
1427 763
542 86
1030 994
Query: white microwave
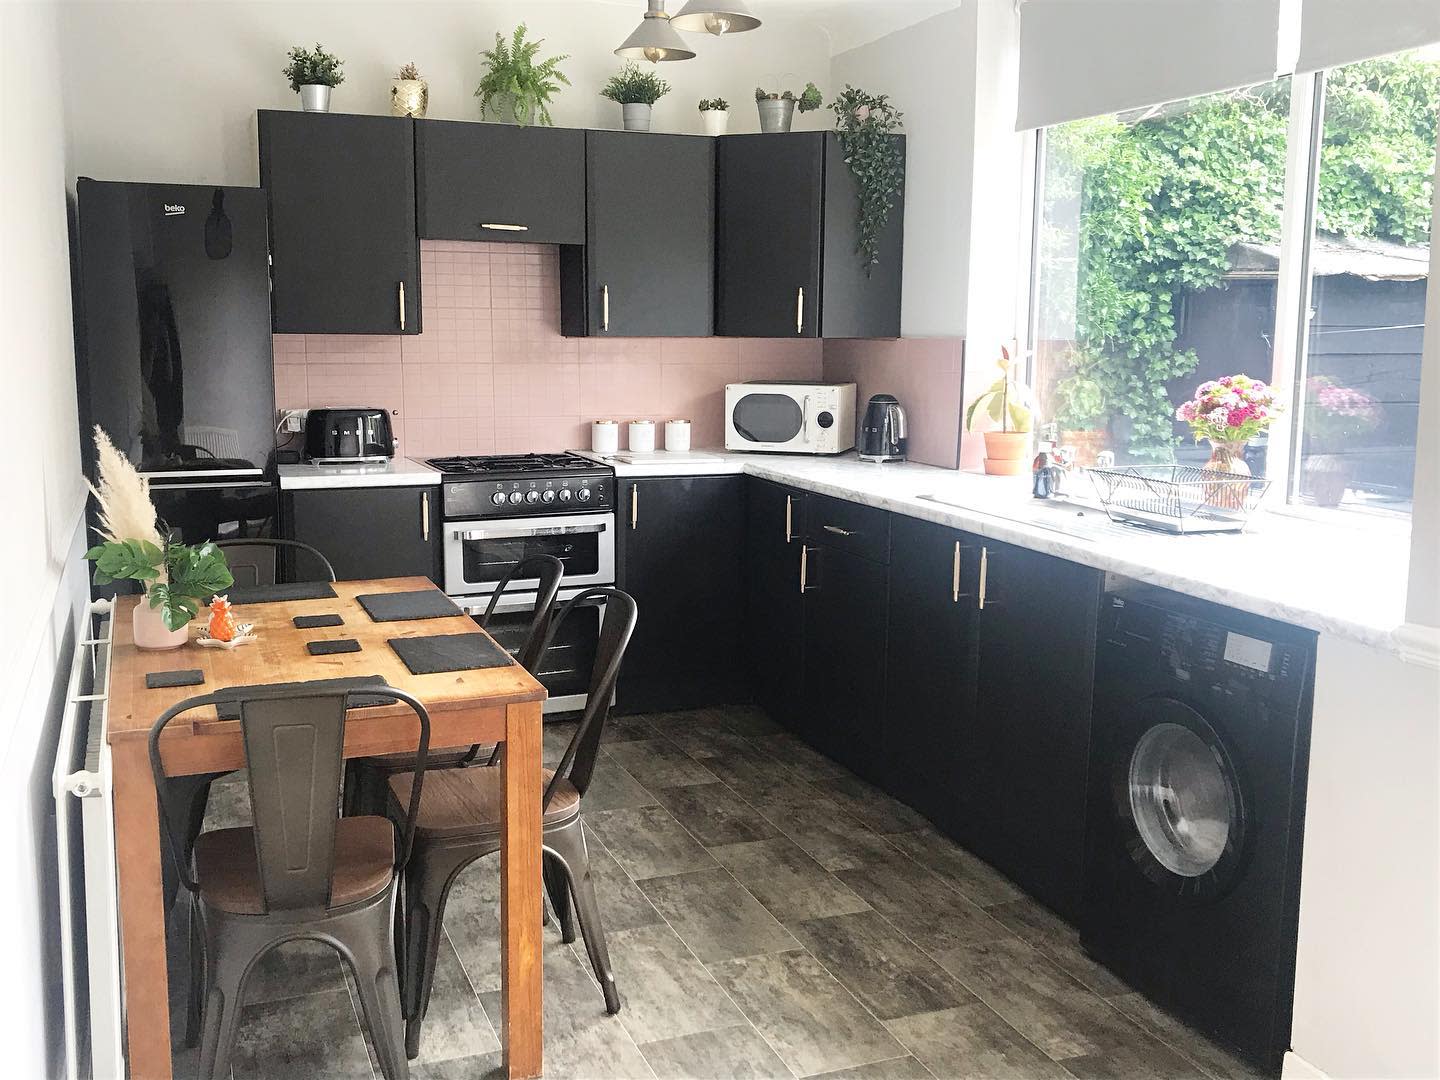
790 417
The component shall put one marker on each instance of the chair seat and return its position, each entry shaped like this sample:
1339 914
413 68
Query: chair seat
461 802
229 875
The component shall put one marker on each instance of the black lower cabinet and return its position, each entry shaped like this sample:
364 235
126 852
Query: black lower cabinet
774 618
679 551
369 532
930 661
1025 771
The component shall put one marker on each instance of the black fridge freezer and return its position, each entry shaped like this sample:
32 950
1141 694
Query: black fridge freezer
174 355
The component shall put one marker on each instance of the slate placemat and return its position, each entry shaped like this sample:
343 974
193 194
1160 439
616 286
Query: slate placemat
449 652
157 680
230 710
310 622
403 606
271 594
328 648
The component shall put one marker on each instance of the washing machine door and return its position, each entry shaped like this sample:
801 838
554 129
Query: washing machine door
1179 801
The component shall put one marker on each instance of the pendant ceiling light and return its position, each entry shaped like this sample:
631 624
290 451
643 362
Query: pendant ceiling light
715 17
654 40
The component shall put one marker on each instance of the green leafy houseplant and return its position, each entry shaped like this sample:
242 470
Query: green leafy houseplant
514 74
318 68
714 105
178 578
634 85
867 124
1005 401
1080 396
808 100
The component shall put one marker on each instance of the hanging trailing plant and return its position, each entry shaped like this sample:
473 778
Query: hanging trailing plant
866 124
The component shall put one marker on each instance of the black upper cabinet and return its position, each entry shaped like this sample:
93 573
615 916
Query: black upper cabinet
787 263
346 259
680 548
500 182
647 269
370 532
774 616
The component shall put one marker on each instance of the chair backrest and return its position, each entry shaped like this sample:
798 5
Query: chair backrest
256 560
547 570
293 748
616 627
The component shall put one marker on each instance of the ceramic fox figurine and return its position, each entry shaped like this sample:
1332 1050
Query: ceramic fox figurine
222 620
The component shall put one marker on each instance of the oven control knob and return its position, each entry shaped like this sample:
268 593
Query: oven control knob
532 496
515 497
584 495
565 495
498 498
548 495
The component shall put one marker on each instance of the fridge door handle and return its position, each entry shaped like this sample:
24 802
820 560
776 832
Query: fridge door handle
401 295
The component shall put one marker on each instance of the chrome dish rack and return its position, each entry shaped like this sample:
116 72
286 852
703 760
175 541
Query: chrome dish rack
1179 499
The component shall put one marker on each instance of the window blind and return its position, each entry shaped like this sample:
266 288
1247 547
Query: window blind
1337 32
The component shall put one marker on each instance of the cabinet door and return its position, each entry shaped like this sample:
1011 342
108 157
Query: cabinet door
500 182
345 255
845 615
856 301
768 233
930 668
371 532
774 536
680 548
1037 617
649 263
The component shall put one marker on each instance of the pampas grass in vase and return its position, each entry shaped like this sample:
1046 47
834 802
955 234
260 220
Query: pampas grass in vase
123 498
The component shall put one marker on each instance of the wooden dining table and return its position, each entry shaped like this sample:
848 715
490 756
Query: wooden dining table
499 704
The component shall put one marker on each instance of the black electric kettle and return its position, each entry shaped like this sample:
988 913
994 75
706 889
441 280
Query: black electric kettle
882 434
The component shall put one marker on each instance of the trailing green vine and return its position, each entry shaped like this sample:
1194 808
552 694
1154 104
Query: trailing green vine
866 124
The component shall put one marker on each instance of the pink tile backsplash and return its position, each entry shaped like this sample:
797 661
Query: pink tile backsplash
492 374
926 374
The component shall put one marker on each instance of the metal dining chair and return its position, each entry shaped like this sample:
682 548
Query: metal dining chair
300 872
249 567
461 816
367 784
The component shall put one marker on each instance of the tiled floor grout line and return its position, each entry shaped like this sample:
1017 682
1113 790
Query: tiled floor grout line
359 1026
465 973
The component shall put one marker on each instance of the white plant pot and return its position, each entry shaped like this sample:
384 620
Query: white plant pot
717 121
315 98
148 625
636 116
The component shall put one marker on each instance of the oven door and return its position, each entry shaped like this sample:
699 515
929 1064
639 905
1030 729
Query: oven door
566 666
479 553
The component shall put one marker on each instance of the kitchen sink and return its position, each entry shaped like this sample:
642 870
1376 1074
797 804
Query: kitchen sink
1077 520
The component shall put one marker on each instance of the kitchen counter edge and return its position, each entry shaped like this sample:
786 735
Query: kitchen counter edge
398 472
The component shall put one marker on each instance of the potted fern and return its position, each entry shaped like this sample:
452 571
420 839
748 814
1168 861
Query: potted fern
518 87
409 93
715 115
777 108
1006 402
636 90
312 75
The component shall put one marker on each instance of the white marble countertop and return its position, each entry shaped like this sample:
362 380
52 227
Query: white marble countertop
397 472
1336 579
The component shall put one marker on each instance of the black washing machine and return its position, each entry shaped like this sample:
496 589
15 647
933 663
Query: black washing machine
1199 750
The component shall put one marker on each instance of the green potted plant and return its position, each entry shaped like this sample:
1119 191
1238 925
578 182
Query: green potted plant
519 88
715 115
1080 410
1006 402
636 89
176 578
777 107
409 93
312 75
867 125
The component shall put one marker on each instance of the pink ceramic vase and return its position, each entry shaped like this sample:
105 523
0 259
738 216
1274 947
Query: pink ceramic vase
150 631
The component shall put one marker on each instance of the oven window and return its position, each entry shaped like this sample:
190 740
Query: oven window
566 665
768 418
491 560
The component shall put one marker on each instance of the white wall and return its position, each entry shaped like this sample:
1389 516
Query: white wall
168 91
44 499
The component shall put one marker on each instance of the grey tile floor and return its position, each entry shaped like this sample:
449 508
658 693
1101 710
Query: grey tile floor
768 915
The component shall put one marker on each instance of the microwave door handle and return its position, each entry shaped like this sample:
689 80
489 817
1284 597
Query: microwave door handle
511 534
805 420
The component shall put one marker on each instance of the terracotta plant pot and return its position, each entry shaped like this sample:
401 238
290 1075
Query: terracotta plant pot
148 626
1086 443
1007 453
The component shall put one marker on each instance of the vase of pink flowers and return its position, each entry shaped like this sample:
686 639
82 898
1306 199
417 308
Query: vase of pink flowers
1334 416
1229 412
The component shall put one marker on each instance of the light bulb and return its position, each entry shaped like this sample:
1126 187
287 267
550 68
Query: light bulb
654 55
717 24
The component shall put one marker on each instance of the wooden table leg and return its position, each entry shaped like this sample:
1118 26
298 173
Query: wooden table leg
142 912
520 957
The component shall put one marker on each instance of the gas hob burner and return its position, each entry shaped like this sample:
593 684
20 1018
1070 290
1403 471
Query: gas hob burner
508 463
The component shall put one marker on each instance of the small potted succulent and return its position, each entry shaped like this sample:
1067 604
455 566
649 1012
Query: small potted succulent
636 90
516 89
409 93
777 108
715 114
1007 447
312 75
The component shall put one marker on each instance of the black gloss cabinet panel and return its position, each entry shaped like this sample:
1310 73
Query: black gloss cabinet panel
376 532
774 613
346 255
679 553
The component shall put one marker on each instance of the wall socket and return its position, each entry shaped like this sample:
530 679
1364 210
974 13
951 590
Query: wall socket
293 420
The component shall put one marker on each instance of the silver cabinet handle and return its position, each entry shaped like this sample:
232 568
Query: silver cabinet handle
955 575
789 518
605 309
401 295
425 515
800 310
837 530
499 227
634 505
804 565
984 574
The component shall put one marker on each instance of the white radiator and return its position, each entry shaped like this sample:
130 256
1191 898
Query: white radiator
85 843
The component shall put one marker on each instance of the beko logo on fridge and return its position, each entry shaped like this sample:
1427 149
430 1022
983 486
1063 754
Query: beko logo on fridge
171 209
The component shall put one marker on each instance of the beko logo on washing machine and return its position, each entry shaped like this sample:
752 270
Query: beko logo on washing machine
173 209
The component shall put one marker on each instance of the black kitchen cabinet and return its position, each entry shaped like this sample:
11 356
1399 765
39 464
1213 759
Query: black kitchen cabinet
344 250
499 182
774 623
647 268
370 532
930 661
679 552
1036 618
787 263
